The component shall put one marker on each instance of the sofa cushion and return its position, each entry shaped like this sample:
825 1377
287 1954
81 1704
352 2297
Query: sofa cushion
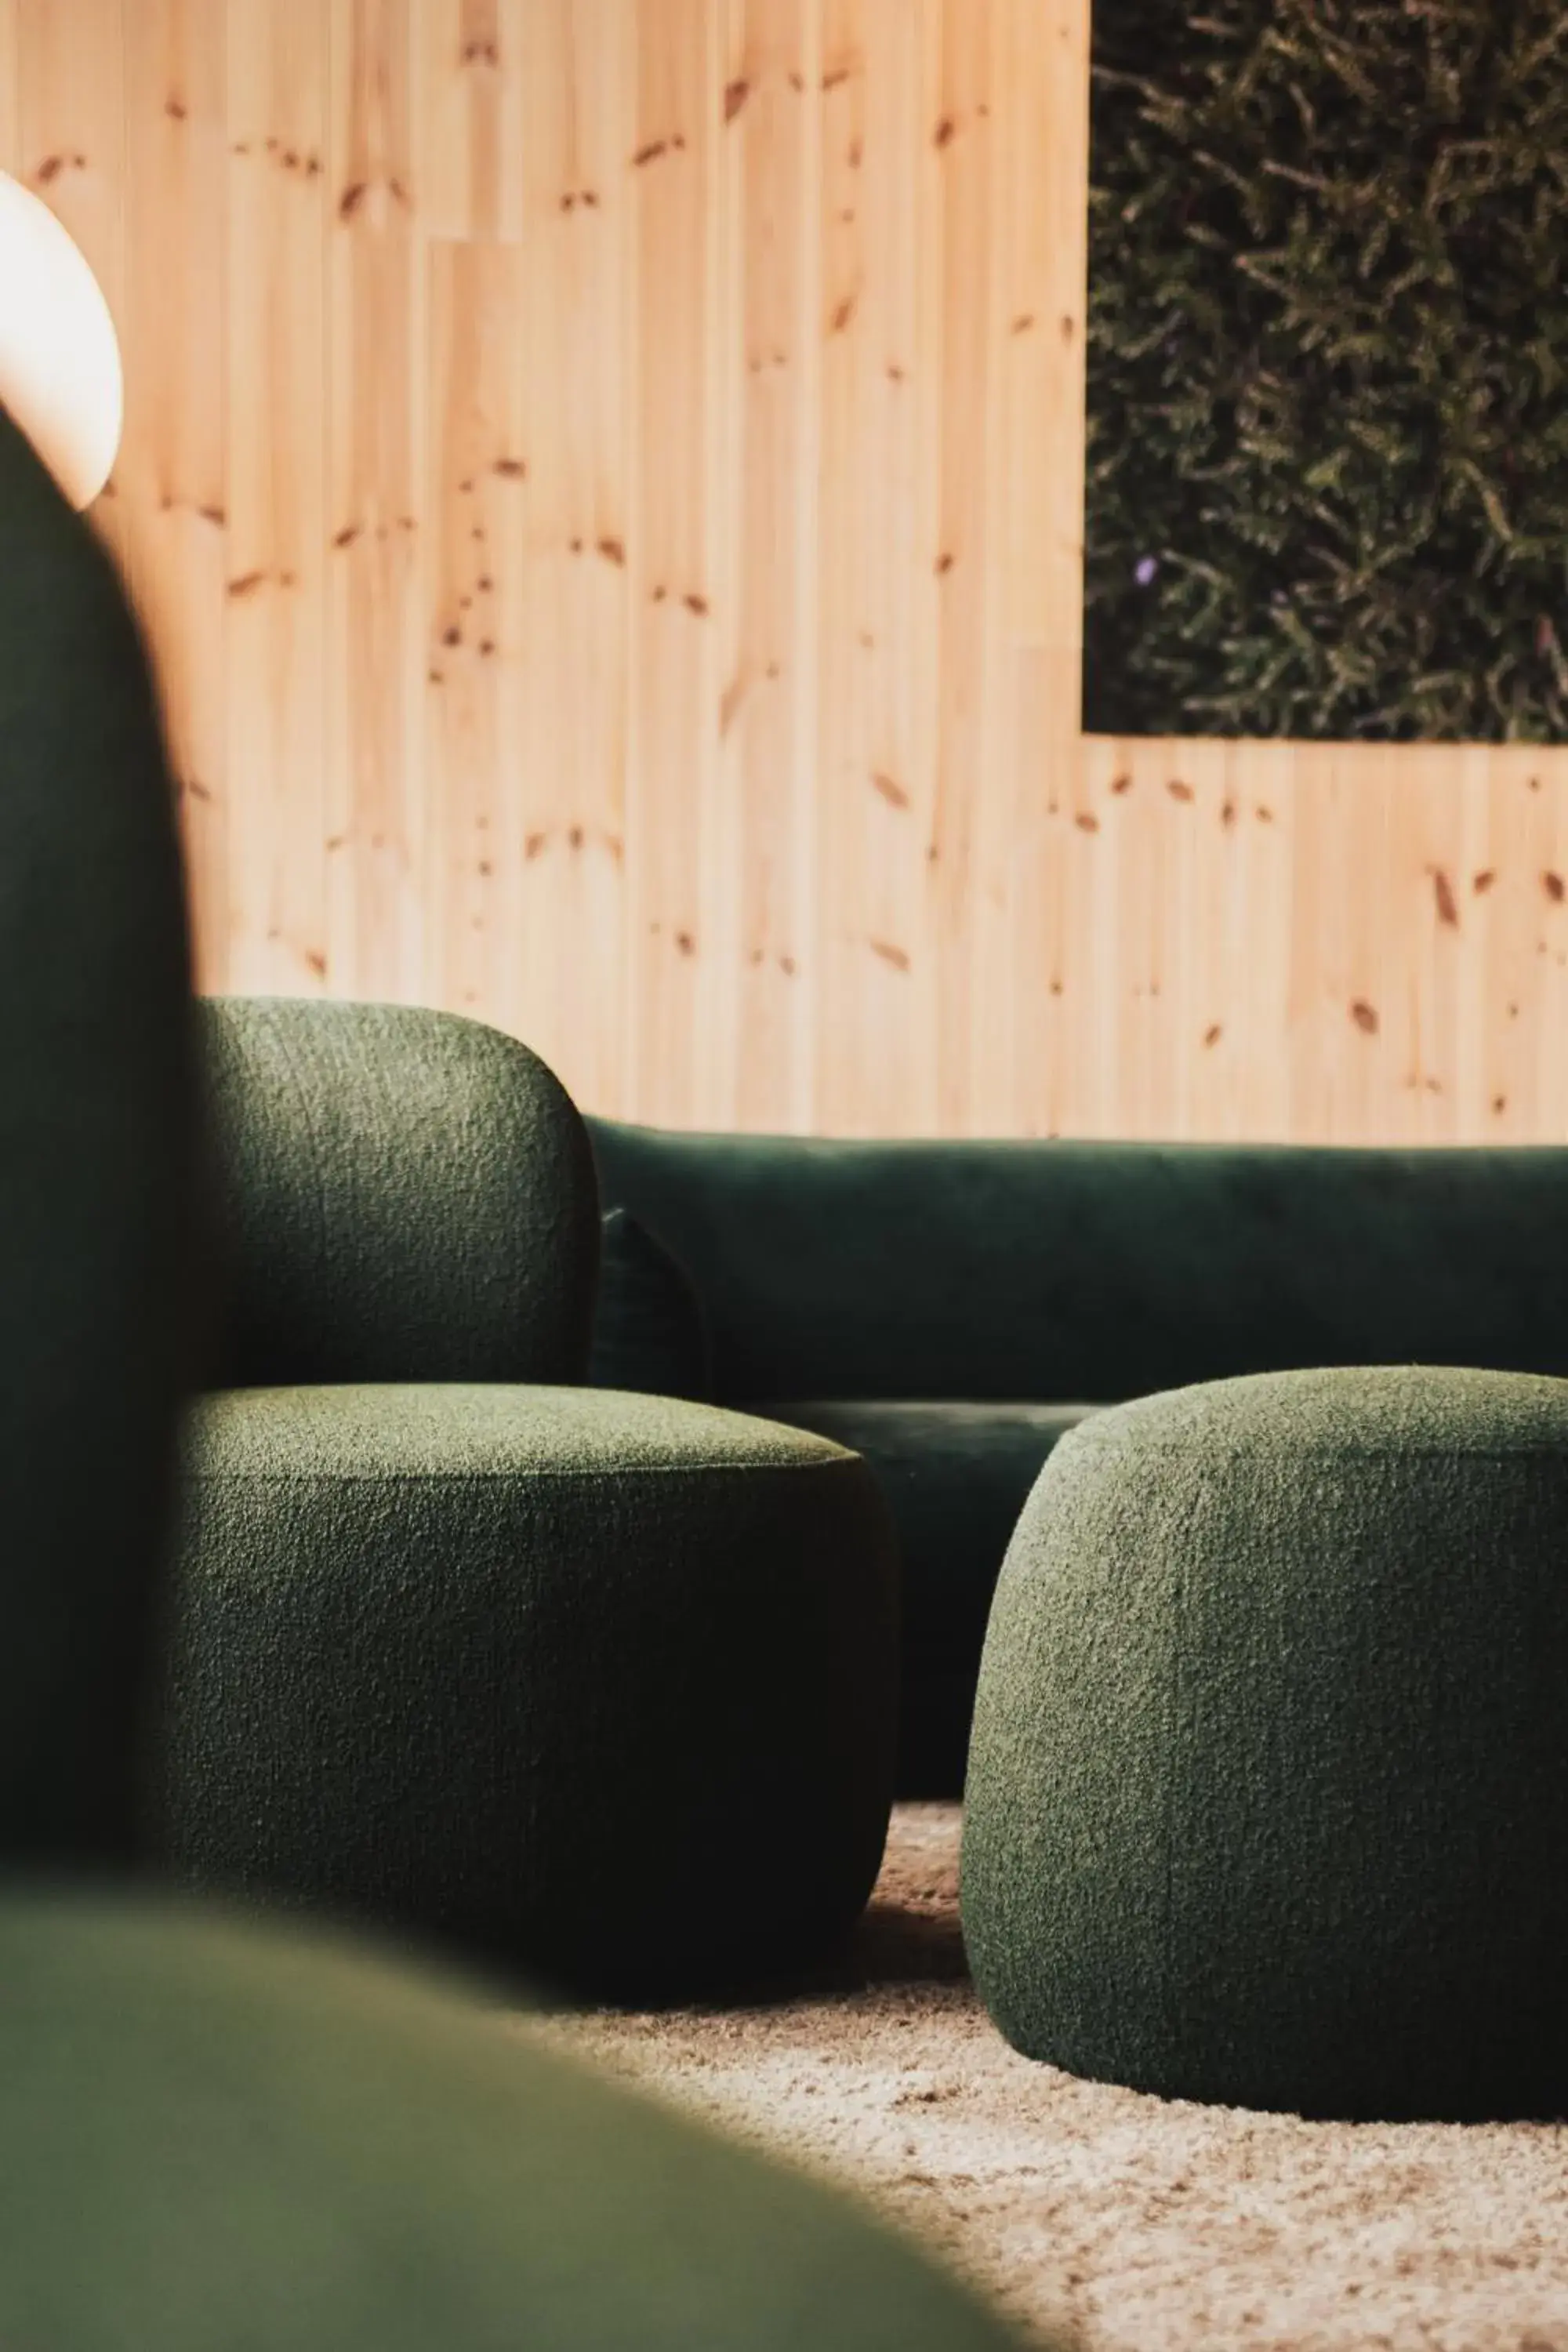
956 1476
650 1334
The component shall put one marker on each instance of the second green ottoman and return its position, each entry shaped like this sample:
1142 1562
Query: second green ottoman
1267 1795
600 1685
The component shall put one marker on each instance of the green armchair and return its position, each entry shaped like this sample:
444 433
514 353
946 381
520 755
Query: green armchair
596 1685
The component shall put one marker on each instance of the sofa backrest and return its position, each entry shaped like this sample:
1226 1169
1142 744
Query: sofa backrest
401 1195
1084 1273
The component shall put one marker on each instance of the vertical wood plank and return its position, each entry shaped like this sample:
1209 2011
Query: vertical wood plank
998 788
1510 888
1063 1048
568 768
475 626
766 771
1046 956
472 99
375 683
1338 1013
674 704
1545 799
1422 928
1239 1018
845 1059
1047 553
960 137
879 600
278 528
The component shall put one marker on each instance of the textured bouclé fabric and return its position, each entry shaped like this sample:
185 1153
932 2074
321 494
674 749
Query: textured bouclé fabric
1267 1794
955 1477
404 1195
220 2135
96 1187
650 1331
601 1684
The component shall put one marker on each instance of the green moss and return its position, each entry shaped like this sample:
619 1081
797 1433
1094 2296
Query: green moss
1326 351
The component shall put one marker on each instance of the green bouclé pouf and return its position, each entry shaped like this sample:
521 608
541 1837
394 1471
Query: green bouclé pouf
601 1684
1267 1794
226 2138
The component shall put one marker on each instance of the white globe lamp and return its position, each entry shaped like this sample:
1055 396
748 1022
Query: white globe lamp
60 377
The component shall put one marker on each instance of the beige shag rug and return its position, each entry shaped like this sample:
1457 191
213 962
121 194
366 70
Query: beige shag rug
1117 2221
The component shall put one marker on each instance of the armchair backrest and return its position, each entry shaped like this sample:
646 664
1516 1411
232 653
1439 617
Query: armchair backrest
401 1195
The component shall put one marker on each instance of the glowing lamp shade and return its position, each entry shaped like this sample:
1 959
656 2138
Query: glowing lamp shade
59 362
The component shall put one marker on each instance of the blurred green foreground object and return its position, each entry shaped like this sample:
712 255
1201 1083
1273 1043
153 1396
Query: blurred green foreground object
221 2136
96 1089
217 2137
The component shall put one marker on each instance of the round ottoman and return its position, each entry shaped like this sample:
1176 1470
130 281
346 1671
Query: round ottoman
600 1685
1268 1793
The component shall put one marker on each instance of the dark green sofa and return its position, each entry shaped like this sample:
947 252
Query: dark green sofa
949 1309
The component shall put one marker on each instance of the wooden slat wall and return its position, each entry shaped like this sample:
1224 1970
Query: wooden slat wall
604 480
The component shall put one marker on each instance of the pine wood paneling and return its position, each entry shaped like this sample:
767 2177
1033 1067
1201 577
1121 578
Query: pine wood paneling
963 138
766 771
674 955
472 99
604 479
878 594
375 698
477 827
567 763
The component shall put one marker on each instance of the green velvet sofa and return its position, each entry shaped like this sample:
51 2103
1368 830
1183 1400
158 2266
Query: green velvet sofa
950 1309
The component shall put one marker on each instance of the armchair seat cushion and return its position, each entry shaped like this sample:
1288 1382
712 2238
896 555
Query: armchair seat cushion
602 1683
956 1477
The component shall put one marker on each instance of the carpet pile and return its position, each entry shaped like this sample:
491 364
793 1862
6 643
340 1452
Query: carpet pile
1117 2221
